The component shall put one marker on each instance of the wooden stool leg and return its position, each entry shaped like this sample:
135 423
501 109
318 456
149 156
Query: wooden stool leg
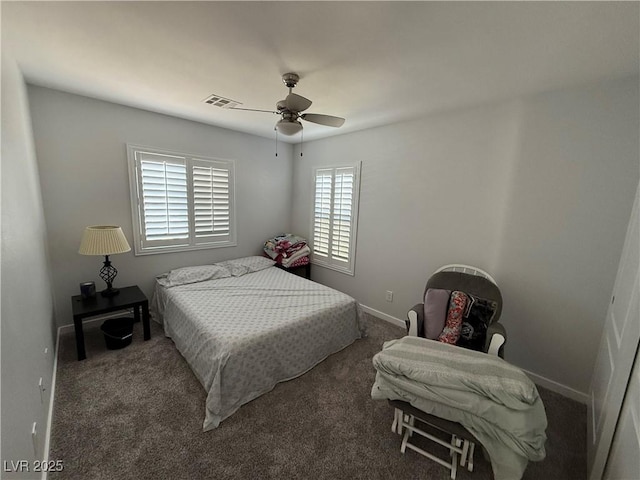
454 443
465 452
470 458
396 426
405 440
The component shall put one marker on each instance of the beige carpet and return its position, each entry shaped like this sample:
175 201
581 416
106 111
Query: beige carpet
137 413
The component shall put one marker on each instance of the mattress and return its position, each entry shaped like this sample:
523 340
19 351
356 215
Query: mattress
243 335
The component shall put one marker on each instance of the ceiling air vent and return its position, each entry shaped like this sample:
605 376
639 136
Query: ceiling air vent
222 102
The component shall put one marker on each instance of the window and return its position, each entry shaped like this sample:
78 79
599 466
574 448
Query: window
335 214
180 202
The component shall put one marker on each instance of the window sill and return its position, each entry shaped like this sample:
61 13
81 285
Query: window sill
181 248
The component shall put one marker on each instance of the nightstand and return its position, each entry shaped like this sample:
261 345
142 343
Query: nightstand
302 270
129 297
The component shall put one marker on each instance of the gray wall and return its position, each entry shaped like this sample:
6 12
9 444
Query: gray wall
537 191
428 195
80 144
573 183
27 307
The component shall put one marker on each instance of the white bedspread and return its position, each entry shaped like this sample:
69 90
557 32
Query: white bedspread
243 335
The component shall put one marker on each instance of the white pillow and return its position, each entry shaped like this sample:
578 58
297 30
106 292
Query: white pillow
241 266
200 273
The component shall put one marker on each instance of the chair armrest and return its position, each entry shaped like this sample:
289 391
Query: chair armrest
415 321
496 339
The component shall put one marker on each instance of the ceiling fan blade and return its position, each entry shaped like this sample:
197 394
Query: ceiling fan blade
297 103
327 120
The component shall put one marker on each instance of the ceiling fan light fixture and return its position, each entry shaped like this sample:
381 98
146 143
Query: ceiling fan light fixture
289 109
288 127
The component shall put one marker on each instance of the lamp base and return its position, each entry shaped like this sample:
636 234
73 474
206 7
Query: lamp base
110 292
107 273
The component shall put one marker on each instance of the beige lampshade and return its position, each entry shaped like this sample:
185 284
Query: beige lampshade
103 240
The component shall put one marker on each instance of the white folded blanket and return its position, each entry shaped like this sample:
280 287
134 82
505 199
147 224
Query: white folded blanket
492 399
303 252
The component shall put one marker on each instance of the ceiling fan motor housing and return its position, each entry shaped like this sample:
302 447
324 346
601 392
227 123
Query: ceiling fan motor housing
289 116
290 79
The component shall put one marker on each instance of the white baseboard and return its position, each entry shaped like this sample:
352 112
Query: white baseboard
558 388
383 316
45 456
537 379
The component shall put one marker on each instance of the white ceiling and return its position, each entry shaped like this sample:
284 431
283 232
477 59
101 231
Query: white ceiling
373 63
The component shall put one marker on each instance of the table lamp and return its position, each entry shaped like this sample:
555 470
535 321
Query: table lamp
104 240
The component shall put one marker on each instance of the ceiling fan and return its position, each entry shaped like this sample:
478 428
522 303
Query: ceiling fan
290 110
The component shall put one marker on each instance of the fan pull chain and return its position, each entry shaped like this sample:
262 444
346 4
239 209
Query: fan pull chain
301 140
276 141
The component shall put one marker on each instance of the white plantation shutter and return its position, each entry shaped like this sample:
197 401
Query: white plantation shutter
211 199
322 213
342 205
180 202
163 182
335 217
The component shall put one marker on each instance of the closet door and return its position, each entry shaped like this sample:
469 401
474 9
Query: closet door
618 350
624 459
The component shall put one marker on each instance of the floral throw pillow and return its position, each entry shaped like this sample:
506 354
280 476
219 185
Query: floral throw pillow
453 325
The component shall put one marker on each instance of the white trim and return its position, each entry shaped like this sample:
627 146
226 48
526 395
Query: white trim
63 329
327 261
142 246
558 388
52 396
183 248
319 263
383 316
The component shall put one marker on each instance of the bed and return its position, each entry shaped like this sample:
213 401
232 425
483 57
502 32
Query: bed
244 325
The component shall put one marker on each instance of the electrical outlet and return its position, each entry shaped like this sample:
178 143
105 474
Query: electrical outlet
389 296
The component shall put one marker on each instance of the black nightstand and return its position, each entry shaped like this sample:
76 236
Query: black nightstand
129 297
304 269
